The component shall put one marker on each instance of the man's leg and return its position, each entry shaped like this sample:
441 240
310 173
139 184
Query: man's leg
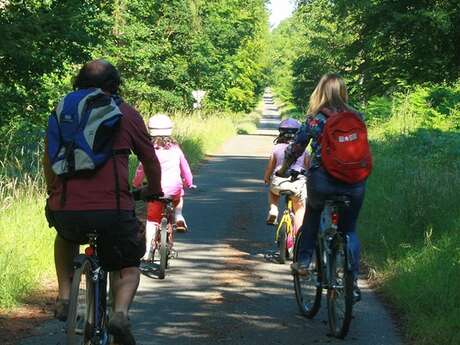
124 285
64 253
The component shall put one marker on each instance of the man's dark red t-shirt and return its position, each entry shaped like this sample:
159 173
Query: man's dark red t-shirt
96 190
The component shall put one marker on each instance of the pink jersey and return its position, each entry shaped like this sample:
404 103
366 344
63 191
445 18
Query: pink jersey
278 154
175 171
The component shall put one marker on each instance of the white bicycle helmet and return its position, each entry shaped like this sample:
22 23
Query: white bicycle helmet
160 125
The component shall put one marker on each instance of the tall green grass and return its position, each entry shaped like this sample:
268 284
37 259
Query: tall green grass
26 251
410 223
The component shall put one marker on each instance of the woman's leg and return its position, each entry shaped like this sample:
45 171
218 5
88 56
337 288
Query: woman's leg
348 220
309 231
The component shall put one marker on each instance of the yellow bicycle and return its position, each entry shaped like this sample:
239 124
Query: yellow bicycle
285 232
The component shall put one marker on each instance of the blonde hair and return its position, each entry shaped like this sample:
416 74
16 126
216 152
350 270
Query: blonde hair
330 92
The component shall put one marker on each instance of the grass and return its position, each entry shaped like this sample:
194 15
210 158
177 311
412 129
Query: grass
410 224
26 253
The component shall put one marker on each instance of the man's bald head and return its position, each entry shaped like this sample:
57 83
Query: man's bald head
100 74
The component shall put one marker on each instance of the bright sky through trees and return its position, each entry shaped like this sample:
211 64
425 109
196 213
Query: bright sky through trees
280 9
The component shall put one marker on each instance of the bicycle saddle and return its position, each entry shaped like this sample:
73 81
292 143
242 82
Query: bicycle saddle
339 200
286 192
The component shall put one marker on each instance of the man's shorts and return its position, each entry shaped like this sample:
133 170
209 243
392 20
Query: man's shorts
120 241
155 209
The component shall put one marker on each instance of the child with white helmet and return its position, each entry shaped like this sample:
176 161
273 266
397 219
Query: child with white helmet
175 174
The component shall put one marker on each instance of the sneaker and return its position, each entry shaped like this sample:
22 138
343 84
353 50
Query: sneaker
61 309
356 293
120 328
181 226
300 267
271 217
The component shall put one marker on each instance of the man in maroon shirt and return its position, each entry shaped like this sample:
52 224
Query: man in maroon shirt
96 200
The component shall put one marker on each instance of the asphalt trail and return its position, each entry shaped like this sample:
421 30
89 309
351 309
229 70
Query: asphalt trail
225 286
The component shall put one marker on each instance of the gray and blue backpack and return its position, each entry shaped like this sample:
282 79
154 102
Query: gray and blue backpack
81 131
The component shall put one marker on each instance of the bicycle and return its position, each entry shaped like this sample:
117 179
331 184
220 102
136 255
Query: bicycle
163 241
331 269
285 228
87 319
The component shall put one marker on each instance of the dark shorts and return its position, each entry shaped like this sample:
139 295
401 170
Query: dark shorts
120 241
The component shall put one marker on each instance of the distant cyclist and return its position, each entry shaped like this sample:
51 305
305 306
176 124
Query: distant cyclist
287 130
99 199
176 175
328 105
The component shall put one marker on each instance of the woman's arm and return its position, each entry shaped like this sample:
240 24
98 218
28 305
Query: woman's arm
269 169
296 149
307 161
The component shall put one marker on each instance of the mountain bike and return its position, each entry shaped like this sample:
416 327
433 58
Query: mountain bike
163 241
88 313
331 269
285 229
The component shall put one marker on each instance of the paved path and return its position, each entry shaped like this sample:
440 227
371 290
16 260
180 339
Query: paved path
225 287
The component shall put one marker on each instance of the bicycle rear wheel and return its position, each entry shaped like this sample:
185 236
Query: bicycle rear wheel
80 321
282 242
163 248
308 289
340 292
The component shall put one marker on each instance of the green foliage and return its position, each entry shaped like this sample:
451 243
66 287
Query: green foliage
164 50
379 47
410 222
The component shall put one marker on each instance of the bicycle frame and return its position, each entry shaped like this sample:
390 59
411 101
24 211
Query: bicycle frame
328 237
167 218
98 282
286 219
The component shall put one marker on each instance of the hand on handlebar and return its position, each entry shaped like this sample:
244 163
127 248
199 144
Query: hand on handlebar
144 194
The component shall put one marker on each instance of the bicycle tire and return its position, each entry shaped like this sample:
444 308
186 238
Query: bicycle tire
340 290
163 249
308 290
282 243
80 320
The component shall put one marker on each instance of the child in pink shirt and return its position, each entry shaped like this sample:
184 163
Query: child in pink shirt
287 129
175 174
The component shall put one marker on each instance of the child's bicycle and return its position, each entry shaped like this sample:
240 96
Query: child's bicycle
88 313
163 241
331 269
285 232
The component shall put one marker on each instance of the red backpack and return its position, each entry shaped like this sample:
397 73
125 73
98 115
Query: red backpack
345 151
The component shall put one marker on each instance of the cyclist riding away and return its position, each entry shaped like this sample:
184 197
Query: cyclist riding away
328 110
98 198
175 174
287 130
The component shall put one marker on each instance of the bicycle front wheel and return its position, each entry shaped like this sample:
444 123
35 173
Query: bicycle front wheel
80 320
308 289
163 249
282 242
340 292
